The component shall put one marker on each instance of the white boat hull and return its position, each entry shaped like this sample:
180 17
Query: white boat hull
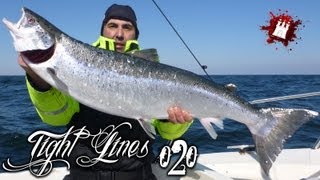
293 164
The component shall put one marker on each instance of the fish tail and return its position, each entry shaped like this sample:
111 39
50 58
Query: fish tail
280 125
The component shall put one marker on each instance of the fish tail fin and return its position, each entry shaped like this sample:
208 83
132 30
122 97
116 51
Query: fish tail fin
280 125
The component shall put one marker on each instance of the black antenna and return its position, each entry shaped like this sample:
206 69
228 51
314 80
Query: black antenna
203 67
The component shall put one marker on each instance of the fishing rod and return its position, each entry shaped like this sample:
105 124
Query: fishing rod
203 67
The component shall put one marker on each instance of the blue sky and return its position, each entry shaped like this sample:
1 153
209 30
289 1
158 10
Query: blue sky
225 35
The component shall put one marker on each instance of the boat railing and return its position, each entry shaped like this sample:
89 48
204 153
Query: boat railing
317 144
246 147
242 148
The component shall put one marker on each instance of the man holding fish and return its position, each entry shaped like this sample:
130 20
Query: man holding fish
116 88
119 32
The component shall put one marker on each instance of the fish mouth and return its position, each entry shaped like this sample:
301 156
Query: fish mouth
39 55
35 54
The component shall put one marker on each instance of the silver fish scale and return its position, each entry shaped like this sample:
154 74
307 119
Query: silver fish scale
122 86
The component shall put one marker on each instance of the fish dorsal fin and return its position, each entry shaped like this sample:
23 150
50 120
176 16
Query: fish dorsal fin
231 87
148 54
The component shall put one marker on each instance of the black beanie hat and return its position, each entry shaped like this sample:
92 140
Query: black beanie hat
121 12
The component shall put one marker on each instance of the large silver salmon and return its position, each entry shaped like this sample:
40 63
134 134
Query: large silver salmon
132 87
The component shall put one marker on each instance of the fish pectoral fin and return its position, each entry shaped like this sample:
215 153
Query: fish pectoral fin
147 127
148 54
206 123
59 84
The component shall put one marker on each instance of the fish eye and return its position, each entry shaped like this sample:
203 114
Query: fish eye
31 20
